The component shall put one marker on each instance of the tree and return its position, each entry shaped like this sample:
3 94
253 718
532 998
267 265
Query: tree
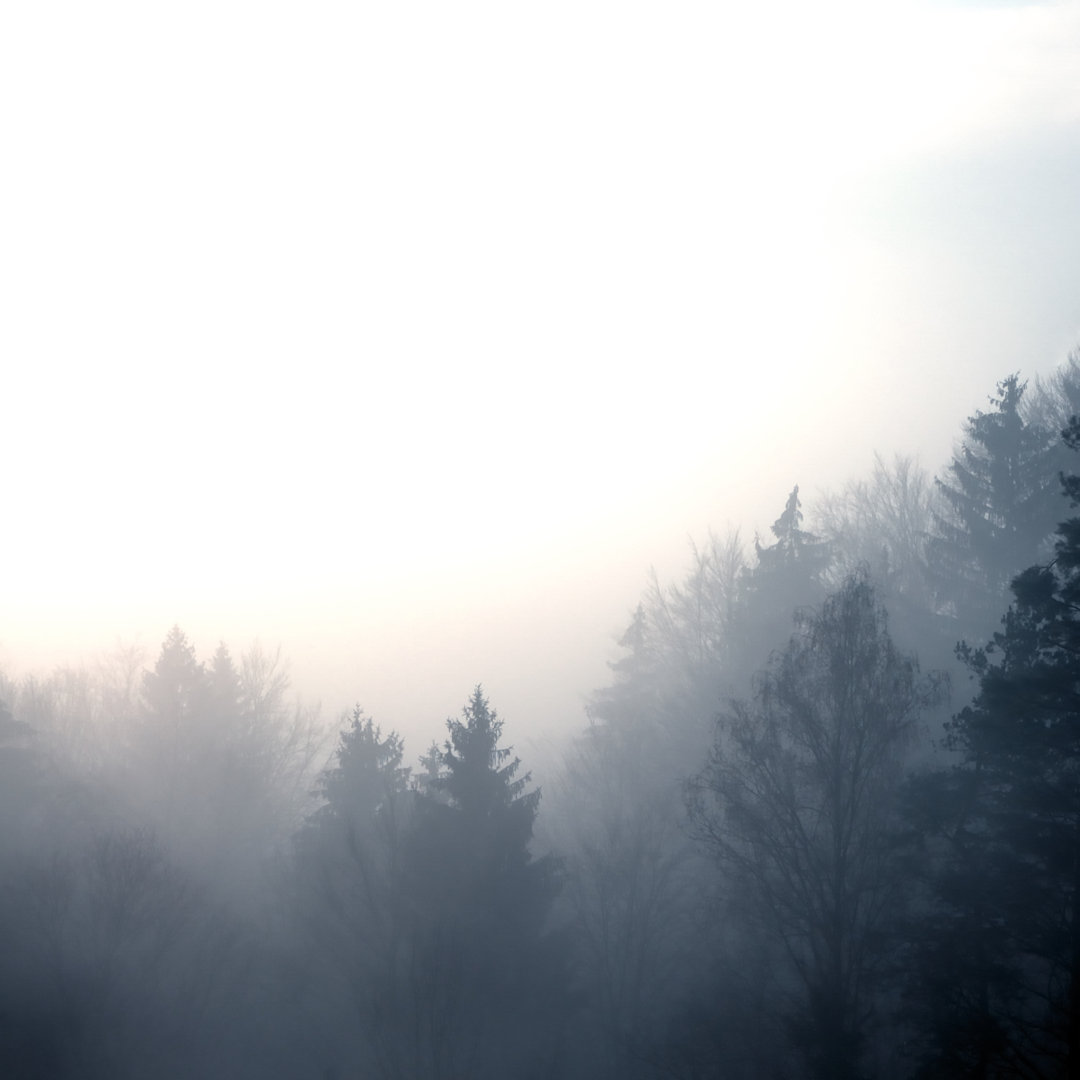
367 777
221 762
428 913
225 690
1054 400
482 782
175 690
1000 508
1015 819
678 655
796 802
790 574
354 902
795 546
21 775
629 868
628 888
958 974
491 973
883 522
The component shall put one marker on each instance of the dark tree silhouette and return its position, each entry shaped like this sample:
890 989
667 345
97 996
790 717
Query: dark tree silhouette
424 902
1012 819
492 973
354 902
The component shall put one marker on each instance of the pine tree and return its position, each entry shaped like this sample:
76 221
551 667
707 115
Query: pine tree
354 902
1016 819
494 976
484 832
1002 503
481 777
790 574
794 546
175 690
367 776
224 689
424 898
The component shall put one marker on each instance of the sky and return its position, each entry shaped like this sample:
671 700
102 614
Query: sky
409 336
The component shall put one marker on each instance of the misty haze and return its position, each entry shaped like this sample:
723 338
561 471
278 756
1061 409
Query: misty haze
540 541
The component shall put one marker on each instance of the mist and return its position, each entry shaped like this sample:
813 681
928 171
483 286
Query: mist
464 467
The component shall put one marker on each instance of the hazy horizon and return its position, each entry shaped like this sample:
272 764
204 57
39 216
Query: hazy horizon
410 339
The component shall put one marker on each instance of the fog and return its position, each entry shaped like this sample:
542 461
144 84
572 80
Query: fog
359 332
411 344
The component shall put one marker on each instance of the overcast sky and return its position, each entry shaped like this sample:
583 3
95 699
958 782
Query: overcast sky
409 336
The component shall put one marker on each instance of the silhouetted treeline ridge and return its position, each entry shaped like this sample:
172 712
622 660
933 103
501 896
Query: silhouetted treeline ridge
822 822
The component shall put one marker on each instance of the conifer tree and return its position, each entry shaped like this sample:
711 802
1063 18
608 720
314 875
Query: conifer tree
482 779
483 833
1002 505
224 688
176 692
367 774
790 574
794 546
494 977
1011 816
353 903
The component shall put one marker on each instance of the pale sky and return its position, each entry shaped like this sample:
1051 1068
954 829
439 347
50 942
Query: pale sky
408 336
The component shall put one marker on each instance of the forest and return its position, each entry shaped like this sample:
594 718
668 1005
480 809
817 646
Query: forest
822 822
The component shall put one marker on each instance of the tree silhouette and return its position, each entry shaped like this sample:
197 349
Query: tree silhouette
1011 812
796 803
493 980
790 574
1002 504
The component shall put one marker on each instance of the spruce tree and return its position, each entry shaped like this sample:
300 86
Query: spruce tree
790 574
494 975
354 906
1002 504
1008 883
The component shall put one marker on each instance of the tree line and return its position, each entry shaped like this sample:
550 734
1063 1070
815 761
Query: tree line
823 821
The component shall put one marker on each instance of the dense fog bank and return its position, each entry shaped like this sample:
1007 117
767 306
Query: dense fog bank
800 832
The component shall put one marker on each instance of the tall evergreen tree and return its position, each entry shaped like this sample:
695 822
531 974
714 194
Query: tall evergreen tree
425 903
224 688
794 546
354 904
789 575
1001 507
1016 820
367 775
482 778
175 690
494 976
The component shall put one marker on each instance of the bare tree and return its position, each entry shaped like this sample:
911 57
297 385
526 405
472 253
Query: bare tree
883 522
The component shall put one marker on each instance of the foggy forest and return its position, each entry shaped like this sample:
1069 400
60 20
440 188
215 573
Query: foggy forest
822 821
540 541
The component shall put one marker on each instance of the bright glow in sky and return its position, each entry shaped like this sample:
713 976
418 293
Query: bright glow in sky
410 335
